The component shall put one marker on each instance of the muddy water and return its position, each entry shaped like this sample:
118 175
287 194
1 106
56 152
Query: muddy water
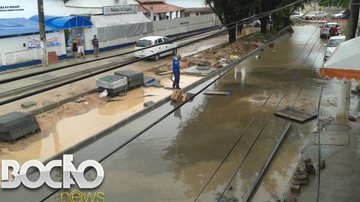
176 160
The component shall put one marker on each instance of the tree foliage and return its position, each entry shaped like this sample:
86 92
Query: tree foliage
337 3
230 11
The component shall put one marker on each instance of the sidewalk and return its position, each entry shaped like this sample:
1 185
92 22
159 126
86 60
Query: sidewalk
340 149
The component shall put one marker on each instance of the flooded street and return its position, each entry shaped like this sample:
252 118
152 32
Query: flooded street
219 142
213 147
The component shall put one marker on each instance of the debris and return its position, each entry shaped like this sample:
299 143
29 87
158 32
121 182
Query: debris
148 79
176 96
80 100
103 94
202 68
113 100
352 118
295 188
218 92
234 57
147 104
295 115
322 164
199 70
28 104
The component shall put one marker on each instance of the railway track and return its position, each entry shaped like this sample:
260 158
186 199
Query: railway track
35 83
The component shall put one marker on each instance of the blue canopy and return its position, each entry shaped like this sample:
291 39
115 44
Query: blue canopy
65 22
19 26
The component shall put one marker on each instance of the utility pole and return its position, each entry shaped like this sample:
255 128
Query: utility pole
342 114
43 45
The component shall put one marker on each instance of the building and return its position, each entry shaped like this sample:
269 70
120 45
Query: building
157 10
20 42
189 12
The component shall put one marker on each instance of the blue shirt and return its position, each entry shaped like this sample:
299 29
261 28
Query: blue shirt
176 66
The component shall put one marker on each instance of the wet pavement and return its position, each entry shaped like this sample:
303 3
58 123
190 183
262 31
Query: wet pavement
182 157
213 147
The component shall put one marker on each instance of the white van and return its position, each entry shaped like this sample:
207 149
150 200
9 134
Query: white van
166 47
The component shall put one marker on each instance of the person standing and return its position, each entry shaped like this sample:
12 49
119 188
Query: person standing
80 42
176 71
95 43
75 48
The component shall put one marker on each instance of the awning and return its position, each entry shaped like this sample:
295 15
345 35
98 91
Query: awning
344 62
18 26
65 22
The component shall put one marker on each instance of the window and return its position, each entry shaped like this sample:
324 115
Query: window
143 43
158 41
166 40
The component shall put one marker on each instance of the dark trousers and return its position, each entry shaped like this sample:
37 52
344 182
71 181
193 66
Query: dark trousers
176 80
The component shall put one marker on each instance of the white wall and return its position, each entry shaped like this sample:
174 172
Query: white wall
164 28
13 51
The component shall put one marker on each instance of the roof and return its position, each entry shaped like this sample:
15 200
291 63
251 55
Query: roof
198 10
157 7
19 26
151 1
344 63
65 22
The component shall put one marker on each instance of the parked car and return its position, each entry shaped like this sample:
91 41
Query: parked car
325 29
256 23
333 42
316 15
166 47
340 15
296 16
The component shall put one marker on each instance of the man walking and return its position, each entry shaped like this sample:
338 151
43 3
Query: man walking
80 42
95 43
176 71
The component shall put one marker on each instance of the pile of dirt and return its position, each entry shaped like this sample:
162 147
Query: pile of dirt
217 56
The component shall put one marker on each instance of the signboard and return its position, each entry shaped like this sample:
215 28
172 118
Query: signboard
51 42
10 8
123 9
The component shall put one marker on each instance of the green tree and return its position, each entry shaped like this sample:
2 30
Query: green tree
231 11
337 3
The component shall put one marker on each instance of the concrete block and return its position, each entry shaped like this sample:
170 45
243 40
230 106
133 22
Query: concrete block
28 104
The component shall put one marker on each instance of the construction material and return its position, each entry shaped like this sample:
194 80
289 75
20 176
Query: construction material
198 70
135 79
16 125
218 92
176 96
28 104
295 115
147 104
113 84
152 82
180 96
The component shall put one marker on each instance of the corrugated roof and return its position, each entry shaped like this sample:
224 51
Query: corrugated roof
19 26
151 1
159 8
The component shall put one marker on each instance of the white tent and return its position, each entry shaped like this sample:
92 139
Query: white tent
344 62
